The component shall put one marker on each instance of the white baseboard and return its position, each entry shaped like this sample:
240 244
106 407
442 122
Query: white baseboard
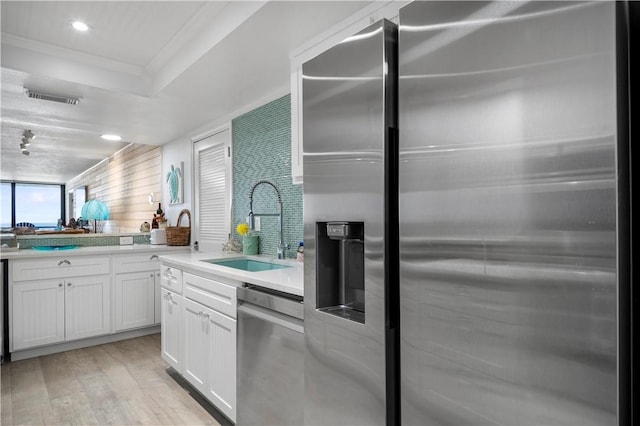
84 343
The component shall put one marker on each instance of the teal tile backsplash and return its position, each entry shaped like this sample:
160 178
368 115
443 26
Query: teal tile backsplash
86 240
261 144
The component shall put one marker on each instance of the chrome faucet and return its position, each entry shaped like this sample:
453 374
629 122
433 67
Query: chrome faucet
280 251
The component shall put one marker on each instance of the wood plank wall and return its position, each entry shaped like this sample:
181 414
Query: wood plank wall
123 182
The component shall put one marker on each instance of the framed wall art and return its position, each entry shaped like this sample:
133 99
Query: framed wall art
175 178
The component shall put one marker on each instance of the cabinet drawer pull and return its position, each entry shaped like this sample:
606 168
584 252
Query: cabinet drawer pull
64 262
153 257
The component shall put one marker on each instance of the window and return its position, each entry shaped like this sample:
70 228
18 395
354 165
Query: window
36 203
5 205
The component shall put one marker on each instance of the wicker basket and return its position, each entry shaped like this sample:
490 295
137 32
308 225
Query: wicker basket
179 235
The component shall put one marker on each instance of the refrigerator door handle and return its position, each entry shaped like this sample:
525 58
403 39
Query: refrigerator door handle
391 230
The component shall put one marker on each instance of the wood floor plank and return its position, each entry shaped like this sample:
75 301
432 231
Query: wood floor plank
5 395
121 383
59 377
73 409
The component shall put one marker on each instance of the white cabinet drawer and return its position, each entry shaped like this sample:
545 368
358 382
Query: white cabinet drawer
59 267
136 263
214 294
171 278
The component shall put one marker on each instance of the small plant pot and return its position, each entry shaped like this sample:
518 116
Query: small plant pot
250 244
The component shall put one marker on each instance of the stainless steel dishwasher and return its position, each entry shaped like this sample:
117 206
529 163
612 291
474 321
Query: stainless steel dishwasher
270 357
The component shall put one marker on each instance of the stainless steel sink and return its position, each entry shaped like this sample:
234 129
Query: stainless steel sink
249 265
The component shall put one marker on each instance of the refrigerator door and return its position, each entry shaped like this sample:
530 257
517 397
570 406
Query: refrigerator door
508 213
344 131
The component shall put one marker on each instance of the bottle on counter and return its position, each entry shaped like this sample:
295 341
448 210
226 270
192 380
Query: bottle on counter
300 255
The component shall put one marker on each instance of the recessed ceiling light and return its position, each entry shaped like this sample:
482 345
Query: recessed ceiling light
111 137
80 26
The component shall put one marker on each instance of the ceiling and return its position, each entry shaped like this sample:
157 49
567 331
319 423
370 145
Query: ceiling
151 71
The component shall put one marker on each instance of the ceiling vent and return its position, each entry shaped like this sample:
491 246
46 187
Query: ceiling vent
54 98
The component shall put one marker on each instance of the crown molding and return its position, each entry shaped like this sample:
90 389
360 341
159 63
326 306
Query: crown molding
69 54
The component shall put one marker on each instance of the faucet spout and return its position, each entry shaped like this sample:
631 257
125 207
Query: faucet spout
281 247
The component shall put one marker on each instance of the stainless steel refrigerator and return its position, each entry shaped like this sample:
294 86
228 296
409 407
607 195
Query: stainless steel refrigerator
462 218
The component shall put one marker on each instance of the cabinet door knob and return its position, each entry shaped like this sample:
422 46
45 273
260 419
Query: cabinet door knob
151 275
64 262
59 284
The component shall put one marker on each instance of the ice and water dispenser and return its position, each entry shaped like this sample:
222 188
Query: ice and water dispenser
340 269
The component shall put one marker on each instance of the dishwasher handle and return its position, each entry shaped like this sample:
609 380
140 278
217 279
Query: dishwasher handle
272 317
277 301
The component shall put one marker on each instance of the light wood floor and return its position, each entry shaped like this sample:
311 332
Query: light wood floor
122 383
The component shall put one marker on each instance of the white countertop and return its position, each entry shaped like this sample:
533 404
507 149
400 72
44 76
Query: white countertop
288 280
81 251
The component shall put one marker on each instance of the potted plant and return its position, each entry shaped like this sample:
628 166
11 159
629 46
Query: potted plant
249 240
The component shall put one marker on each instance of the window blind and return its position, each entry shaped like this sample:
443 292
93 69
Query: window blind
213 190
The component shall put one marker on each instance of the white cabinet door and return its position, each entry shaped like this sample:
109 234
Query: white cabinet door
171 329
135 300
87 306
196 345
221 383
38 314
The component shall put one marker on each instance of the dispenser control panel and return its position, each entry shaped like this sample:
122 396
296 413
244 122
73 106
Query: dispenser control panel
344 230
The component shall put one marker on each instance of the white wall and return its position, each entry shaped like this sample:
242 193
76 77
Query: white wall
174 153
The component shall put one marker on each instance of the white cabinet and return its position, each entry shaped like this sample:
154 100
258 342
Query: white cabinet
56 310
200 343
87 306
38 314
210 355
210 340
171 329
172 317
59 267
137 291
221 375
134 300
196 353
